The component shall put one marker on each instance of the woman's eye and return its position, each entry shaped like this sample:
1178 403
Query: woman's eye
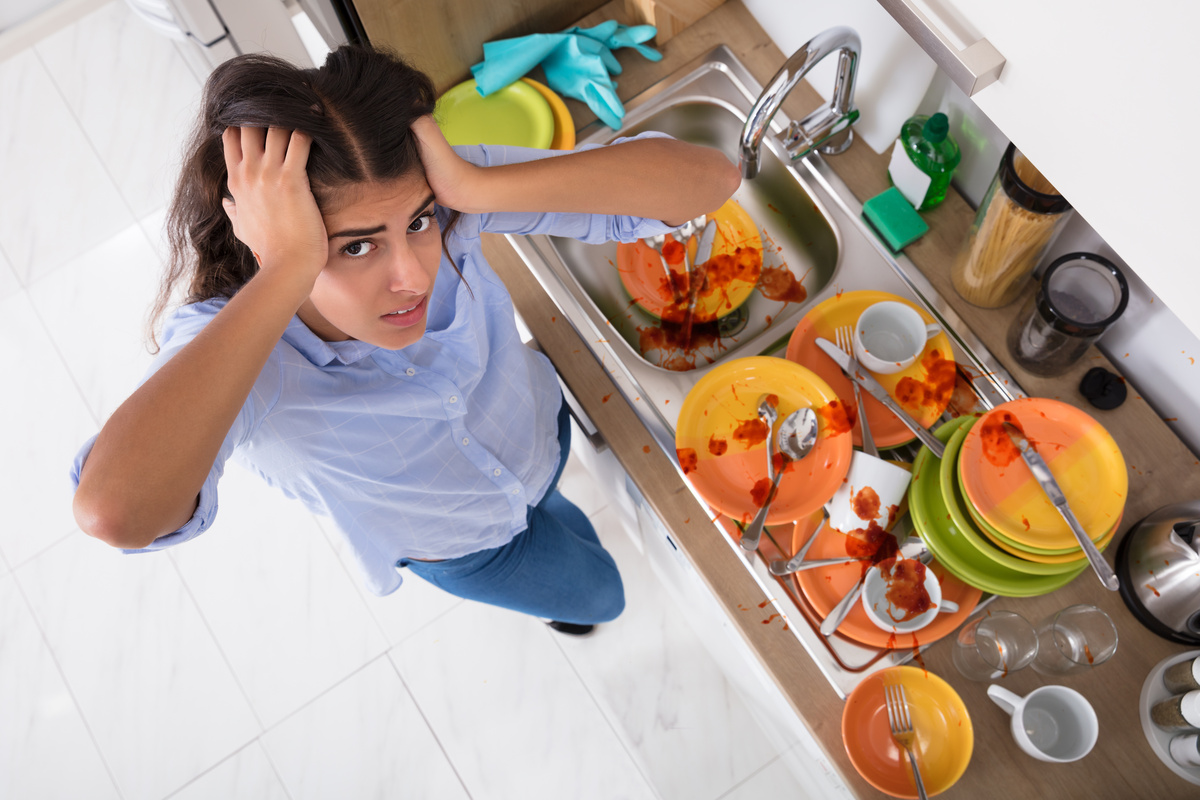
357 249
422 223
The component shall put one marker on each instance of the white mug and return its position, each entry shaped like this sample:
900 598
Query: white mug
1051 723
880 612
889 336
853 505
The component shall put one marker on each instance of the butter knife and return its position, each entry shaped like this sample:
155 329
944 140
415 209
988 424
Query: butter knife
902 530
867 381
1041 473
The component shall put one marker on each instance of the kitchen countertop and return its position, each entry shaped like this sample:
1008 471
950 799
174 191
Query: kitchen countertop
1122 765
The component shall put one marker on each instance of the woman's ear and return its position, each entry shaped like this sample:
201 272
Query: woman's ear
231 212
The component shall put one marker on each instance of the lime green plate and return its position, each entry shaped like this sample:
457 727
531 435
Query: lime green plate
944 535
515 115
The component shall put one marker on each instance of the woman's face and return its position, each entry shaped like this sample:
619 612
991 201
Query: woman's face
384 251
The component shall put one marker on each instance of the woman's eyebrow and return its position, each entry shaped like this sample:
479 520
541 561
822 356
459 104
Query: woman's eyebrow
358 232
421 209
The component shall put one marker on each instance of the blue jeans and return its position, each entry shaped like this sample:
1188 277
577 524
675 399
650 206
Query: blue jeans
555 569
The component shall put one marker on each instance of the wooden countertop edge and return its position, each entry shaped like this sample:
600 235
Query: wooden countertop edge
1155 455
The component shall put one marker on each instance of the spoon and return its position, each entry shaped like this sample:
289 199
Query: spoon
796 438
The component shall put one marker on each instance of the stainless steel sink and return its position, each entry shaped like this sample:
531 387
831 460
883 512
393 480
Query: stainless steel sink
816 227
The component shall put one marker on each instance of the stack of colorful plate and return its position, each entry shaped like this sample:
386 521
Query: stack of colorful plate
525 114
986 519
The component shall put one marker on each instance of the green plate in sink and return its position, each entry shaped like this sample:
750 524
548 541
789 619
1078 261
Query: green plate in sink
944 529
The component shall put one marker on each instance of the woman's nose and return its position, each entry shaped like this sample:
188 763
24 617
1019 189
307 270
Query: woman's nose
405 272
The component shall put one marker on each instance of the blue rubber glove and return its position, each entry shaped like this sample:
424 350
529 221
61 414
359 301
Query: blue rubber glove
577 63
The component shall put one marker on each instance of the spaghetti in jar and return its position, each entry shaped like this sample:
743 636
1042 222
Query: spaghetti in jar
1016 223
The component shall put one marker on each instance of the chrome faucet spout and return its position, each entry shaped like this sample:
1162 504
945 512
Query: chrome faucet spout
818 128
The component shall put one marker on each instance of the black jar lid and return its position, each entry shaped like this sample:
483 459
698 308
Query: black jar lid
1059 319
1020 192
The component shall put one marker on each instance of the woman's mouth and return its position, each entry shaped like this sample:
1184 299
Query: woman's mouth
404 317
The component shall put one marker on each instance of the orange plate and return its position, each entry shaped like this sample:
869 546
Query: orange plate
564 124
1085 461
944 742
729 469
923 389
825 586
732 271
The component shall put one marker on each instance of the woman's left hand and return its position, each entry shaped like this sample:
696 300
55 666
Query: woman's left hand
449 176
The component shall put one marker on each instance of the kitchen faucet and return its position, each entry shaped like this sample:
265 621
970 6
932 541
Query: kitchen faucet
819 126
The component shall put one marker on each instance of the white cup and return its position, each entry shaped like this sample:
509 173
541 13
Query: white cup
852 506
1051 723
881 611
889 336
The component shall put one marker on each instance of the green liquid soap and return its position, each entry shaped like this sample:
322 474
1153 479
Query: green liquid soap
927 142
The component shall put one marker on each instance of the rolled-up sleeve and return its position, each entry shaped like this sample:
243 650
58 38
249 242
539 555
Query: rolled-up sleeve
590 228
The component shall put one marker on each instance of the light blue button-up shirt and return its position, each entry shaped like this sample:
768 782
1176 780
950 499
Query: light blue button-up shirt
432 451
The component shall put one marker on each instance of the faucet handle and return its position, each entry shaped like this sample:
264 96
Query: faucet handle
798 144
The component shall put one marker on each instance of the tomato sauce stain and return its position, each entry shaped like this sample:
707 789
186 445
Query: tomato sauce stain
687 459
936 387
865 503
998 449
717 446
751 432
906 592
767 621
835 418
1151 588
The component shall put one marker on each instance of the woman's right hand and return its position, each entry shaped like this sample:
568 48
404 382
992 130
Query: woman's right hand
273 210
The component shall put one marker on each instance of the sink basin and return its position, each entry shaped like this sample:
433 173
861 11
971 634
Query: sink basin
800 243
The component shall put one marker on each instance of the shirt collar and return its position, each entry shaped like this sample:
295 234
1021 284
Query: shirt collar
323 353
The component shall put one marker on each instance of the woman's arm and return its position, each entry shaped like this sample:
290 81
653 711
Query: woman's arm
656 178
146 468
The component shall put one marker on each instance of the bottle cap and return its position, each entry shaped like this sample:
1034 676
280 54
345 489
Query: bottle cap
936 128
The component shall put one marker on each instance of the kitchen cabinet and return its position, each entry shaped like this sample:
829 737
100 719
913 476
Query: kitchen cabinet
1098 94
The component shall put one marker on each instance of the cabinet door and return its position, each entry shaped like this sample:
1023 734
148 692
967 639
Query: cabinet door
1100 96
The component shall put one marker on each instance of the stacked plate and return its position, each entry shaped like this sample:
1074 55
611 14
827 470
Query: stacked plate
985 517
524 114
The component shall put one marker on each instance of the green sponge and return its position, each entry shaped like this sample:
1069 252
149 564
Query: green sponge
894 218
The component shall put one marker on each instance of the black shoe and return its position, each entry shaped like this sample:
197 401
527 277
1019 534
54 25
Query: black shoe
570 628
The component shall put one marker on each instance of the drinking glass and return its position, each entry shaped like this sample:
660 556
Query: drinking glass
1076 639
994 644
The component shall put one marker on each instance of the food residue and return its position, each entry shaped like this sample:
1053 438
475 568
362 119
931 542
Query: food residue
687 459
865 503
717 446
935 389
834 418
751 432
906 592
760 491
998 449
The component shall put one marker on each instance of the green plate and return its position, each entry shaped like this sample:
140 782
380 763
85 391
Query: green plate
516 115
957 505
941 533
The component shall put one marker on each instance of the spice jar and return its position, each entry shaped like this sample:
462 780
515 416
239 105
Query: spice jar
1017 221
1183 677
1178 713
1185 750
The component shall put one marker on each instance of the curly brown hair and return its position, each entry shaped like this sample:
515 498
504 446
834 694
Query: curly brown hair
358 108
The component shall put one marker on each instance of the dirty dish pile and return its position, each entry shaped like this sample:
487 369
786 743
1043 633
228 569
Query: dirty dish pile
944 736
984 516
923 388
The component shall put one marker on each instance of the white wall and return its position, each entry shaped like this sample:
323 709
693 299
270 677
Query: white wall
1150 344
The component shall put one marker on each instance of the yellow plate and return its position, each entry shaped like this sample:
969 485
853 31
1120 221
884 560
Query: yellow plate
945 737
516 115
720 440
1084 459
564 124
731 272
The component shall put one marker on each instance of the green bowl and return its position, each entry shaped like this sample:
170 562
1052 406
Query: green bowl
956 504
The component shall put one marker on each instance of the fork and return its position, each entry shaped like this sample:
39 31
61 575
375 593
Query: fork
900 722
843 337
656 243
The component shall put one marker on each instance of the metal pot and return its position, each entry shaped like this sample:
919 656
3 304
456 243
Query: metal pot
1159 566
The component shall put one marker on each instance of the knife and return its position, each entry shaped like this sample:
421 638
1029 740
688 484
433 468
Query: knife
866 380
902 530
1041 473
696 277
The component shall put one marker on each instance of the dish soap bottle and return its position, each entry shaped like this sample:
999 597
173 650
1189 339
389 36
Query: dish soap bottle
931 150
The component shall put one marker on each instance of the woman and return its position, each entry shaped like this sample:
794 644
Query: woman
344 337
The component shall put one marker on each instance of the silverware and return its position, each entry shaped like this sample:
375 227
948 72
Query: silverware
696 276
655 243
845 340
837 615
868 382
780 567
796 438
900 722
1045 478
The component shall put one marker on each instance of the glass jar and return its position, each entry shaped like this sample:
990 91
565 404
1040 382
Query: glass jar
1081 295
1018 220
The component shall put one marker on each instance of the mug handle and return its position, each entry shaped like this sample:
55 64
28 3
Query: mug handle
947 605
1004 698
932 331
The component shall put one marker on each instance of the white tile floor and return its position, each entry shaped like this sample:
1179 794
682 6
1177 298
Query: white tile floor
250 663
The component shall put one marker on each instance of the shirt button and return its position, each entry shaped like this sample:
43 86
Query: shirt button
466 440
495 472
410 372
453 398
516 491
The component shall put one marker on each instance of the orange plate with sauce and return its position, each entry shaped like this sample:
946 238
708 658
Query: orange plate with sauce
732 270
720 441
825 586
1084 458
945 737
923 389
